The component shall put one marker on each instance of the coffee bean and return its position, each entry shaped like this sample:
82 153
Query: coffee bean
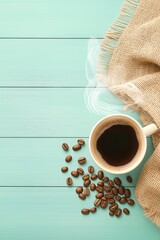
105 179
118 198
97 202
100 174
131 202
93 210
126 211
76 147
107 189
129 179
127 193
87 183
104 204
99 195
92 187
113 207
114 190
75 174
69 181
81 141
80 171
103 199
86 177
81 160
93 176
82 196
118 212
109 195
90 169
99 189
85 211
111 201
110 183
123 200
121 190
111 214
117 181
79 190
65 146
87 191
100 184
68 158
64 169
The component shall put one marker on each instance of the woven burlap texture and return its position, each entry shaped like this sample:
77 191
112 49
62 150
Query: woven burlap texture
134 75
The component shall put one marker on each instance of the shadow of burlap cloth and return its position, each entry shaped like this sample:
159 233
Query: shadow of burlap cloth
129 64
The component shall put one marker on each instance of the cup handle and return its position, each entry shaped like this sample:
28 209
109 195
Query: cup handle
150 129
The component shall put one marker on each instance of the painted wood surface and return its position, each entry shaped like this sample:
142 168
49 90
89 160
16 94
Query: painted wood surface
43 50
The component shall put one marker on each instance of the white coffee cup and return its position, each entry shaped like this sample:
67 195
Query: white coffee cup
141 133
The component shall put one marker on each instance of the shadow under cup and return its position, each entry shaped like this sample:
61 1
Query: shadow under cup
108 122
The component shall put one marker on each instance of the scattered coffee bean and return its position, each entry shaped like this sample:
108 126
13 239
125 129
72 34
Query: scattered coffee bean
104 204
91 169
130 202
93 176
64 169
65 146
68 158
100 174
129 179
121 190
87 191
105 179
118 198
126 211
113 207
111 201
82 196
118 212
69 181
81 141
114 190
75 174
99 195
79 190
100 184
85 211
109 195
80 171
99 189
81 160
110 183
86 177
97 202
76 147
92 187
123 200
107 189
93 210
87 183
117 181
111 214
103 199
127 193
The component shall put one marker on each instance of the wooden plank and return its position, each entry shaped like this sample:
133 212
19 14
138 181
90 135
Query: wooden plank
46 113
43 63
48 213
56 18
37 162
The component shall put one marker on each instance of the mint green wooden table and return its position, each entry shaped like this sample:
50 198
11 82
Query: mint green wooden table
43 50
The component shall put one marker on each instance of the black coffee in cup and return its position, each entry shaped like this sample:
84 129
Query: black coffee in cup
118 144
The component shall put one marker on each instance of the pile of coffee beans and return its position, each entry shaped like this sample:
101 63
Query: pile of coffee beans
108 193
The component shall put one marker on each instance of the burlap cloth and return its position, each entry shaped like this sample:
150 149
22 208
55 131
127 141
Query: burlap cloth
129 64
